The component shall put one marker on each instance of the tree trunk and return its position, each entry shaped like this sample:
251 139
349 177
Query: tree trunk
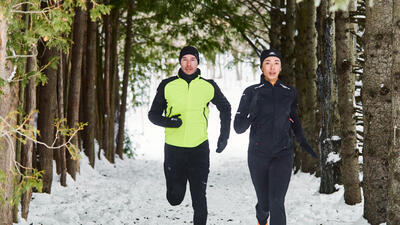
288 44
8 102
378 127
345 48
114 83
327 88
61 109
100 94
393 209
276 24
107 85
90 92
127 65
75 83
306 70
47 106
27 149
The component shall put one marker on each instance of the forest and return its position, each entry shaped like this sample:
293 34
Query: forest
71 69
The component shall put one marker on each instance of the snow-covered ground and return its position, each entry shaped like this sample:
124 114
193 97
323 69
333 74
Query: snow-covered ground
132 191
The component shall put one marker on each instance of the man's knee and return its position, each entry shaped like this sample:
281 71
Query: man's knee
175 199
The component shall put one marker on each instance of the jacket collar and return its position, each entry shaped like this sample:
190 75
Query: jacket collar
267 83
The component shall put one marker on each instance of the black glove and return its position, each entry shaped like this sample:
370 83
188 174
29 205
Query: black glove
308 149
222 142
174 121
254 107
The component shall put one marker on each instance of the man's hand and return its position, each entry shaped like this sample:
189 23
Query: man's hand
222 142
174 121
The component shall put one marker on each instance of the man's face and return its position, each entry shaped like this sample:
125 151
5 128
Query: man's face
189 64
271 68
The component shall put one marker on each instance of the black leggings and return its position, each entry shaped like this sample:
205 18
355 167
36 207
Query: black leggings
188 164
270 176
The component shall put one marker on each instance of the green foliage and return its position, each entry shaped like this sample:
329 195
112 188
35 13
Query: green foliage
22 183
128 150
161 28
27 181
63 130
30 22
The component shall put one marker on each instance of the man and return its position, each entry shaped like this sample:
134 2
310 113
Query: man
181 106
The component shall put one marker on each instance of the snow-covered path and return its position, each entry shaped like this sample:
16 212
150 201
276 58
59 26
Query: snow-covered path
133 190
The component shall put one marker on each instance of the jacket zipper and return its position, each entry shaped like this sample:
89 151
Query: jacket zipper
205 117
170 111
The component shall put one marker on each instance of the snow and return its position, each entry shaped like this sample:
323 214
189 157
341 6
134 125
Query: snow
333 157
132 191
336 138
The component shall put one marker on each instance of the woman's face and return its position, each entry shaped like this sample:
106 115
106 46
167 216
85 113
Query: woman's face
271 68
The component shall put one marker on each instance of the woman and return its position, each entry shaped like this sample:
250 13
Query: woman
270 108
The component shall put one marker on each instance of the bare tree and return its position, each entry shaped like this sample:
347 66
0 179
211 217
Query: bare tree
377 108
393 209
127 65
345 52
306 71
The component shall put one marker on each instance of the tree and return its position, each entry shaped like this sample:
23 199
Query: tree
127 65
327 85
75 83
27 149
306 70
393 208
47 108
377 108
345 59
288 43
8 101
276 24
107 86
90 91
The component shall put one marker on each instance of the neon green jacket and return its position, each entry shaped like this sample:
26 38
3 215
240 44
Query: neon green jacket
176 96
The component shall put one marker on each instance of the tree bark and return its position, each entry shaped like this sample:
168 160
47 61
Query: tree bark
114 83
107 85
377 107
345 48
393 209
100 95
8 102
27 149
288 44
75 83
61 109
47 106
327 85
276 24
125 82
90 92
306 70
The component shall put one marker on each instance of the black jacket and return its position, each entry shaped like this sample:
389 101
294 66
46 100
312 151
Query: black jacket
157 111
272 113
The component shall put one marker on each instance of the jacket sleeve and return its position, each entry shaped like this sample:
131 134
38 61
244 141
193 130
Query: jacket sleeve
295 121
158 107
224 109
242 121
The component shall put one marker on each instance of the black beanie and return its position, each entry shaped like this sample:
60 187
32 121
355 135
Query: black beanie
189 50
267 53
